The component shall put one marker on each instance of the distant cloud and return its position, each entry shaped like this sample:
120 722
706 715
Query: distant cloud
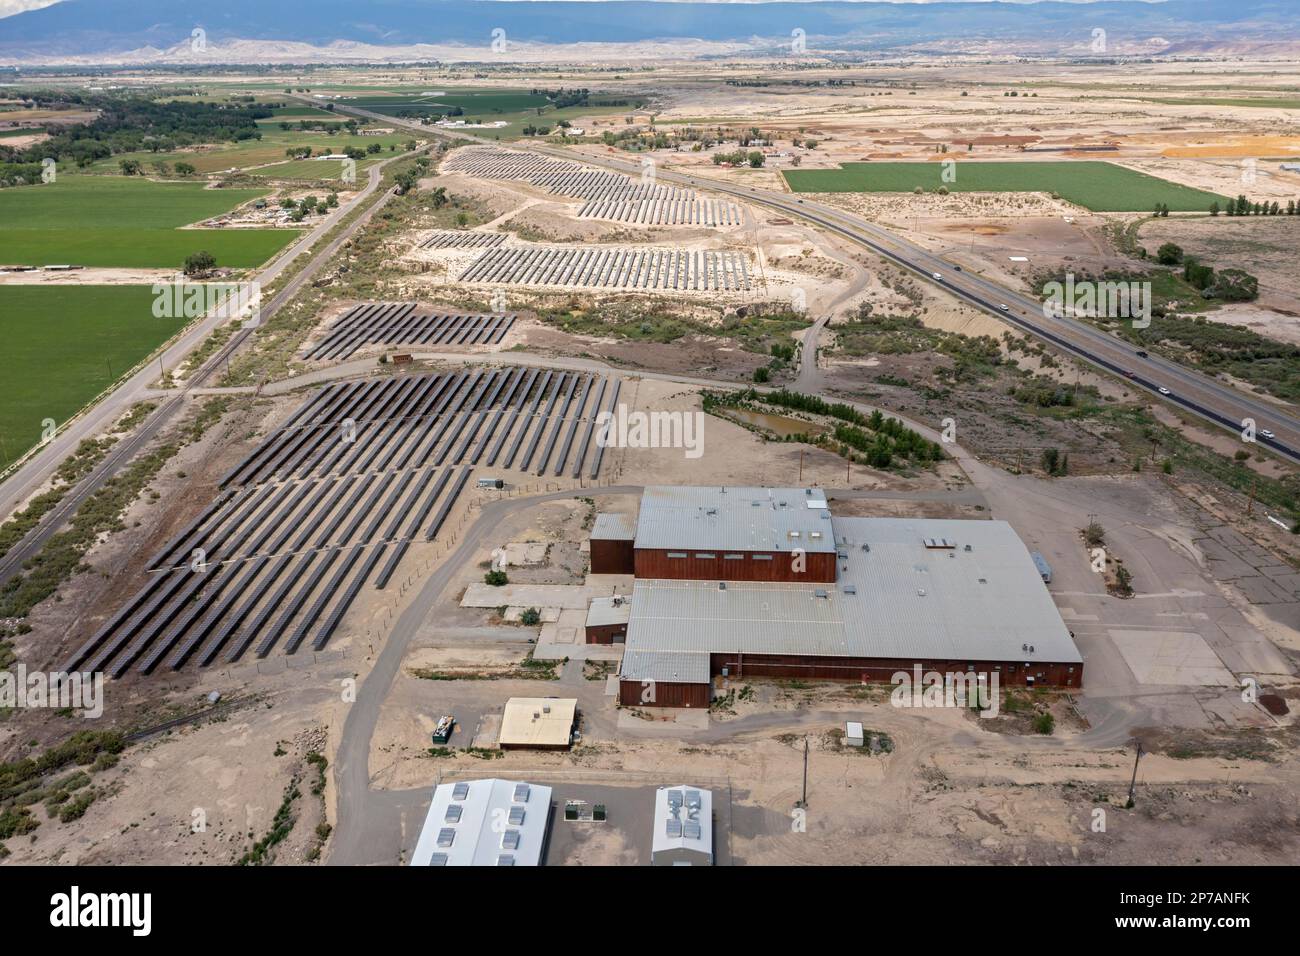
9 7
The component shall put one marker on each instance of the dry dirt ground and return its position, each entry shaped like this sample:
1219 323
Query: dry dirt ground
1220 782
1263 246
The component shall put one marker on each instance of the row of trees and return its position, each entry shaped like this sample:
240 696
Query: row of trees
752 158
137 124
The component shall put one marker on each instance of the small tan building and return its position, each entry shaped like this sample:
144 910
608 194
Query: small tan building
538 723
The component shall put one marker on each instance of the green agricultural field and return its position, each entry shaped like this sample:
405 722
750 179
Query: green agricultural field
62 346
517 108
327 170
127 223
256 152
1101 187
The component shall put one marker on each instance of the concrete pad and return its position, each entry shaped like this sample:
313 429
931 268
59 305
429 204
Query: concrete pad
666 721
1178 658
489 730
612 583
575 618
523 554
532 595
611 685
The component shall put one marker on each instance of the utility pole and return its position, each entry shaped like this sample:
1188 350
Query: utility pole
803 802
1133 783
1250 502
801 466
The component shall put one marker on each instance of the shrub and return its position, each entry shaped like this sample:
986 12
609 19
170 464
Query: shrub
531 617
496 578
1044 723
1169 254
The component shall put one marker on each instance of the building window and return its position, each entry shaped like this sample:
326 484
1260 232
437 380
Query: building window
705 556
733 557
762 557
676 554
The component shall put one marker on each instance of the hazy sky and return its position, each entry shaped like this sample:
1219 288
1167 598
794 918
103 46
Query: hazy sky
10 7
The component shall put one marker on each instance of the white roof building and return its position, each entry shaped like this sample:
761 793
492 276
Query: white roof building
683 834
485 823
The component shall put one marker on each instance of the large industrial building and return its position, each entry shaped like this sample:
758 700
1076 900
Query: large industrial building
485 823
765 582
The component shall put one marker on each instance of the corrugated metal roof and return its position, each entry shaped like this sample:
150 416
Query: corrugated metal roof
981 600
714 518
686 667
470 835
684 821
610 526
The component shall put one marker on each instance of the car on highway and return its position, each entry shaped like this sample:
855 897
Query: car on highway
1129 374
936 276
1141 353
1004 307
1164 391
1265 433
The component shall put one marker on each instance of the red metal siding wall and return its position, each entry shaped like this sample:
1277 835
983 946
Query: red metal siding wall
605 634
883 668
611 556
819 568
665 695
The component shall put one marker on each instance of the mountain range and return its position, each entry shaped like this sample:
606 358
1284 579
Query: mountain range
296 30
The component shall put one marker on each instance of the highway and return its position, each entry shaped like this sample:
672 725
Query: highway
1189 390
36 470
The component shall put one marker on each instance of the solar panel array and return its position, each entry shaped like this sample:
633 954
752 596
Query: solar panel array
395 323
453 239
605 267
609 195
331 502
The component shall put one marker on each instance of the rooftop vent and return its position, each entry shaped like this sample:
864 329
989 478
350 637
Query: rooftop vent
453 814
920 592
866 547
506 859
446 836
722 585
968 548
460 791
691 830
939 543
821 593
850 589
521 793
510 840
516 816
438 859
673 828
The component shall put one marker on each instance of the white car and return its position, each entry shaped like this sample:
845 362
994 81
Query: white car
937 277
1265 433
1004 307
1164 391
